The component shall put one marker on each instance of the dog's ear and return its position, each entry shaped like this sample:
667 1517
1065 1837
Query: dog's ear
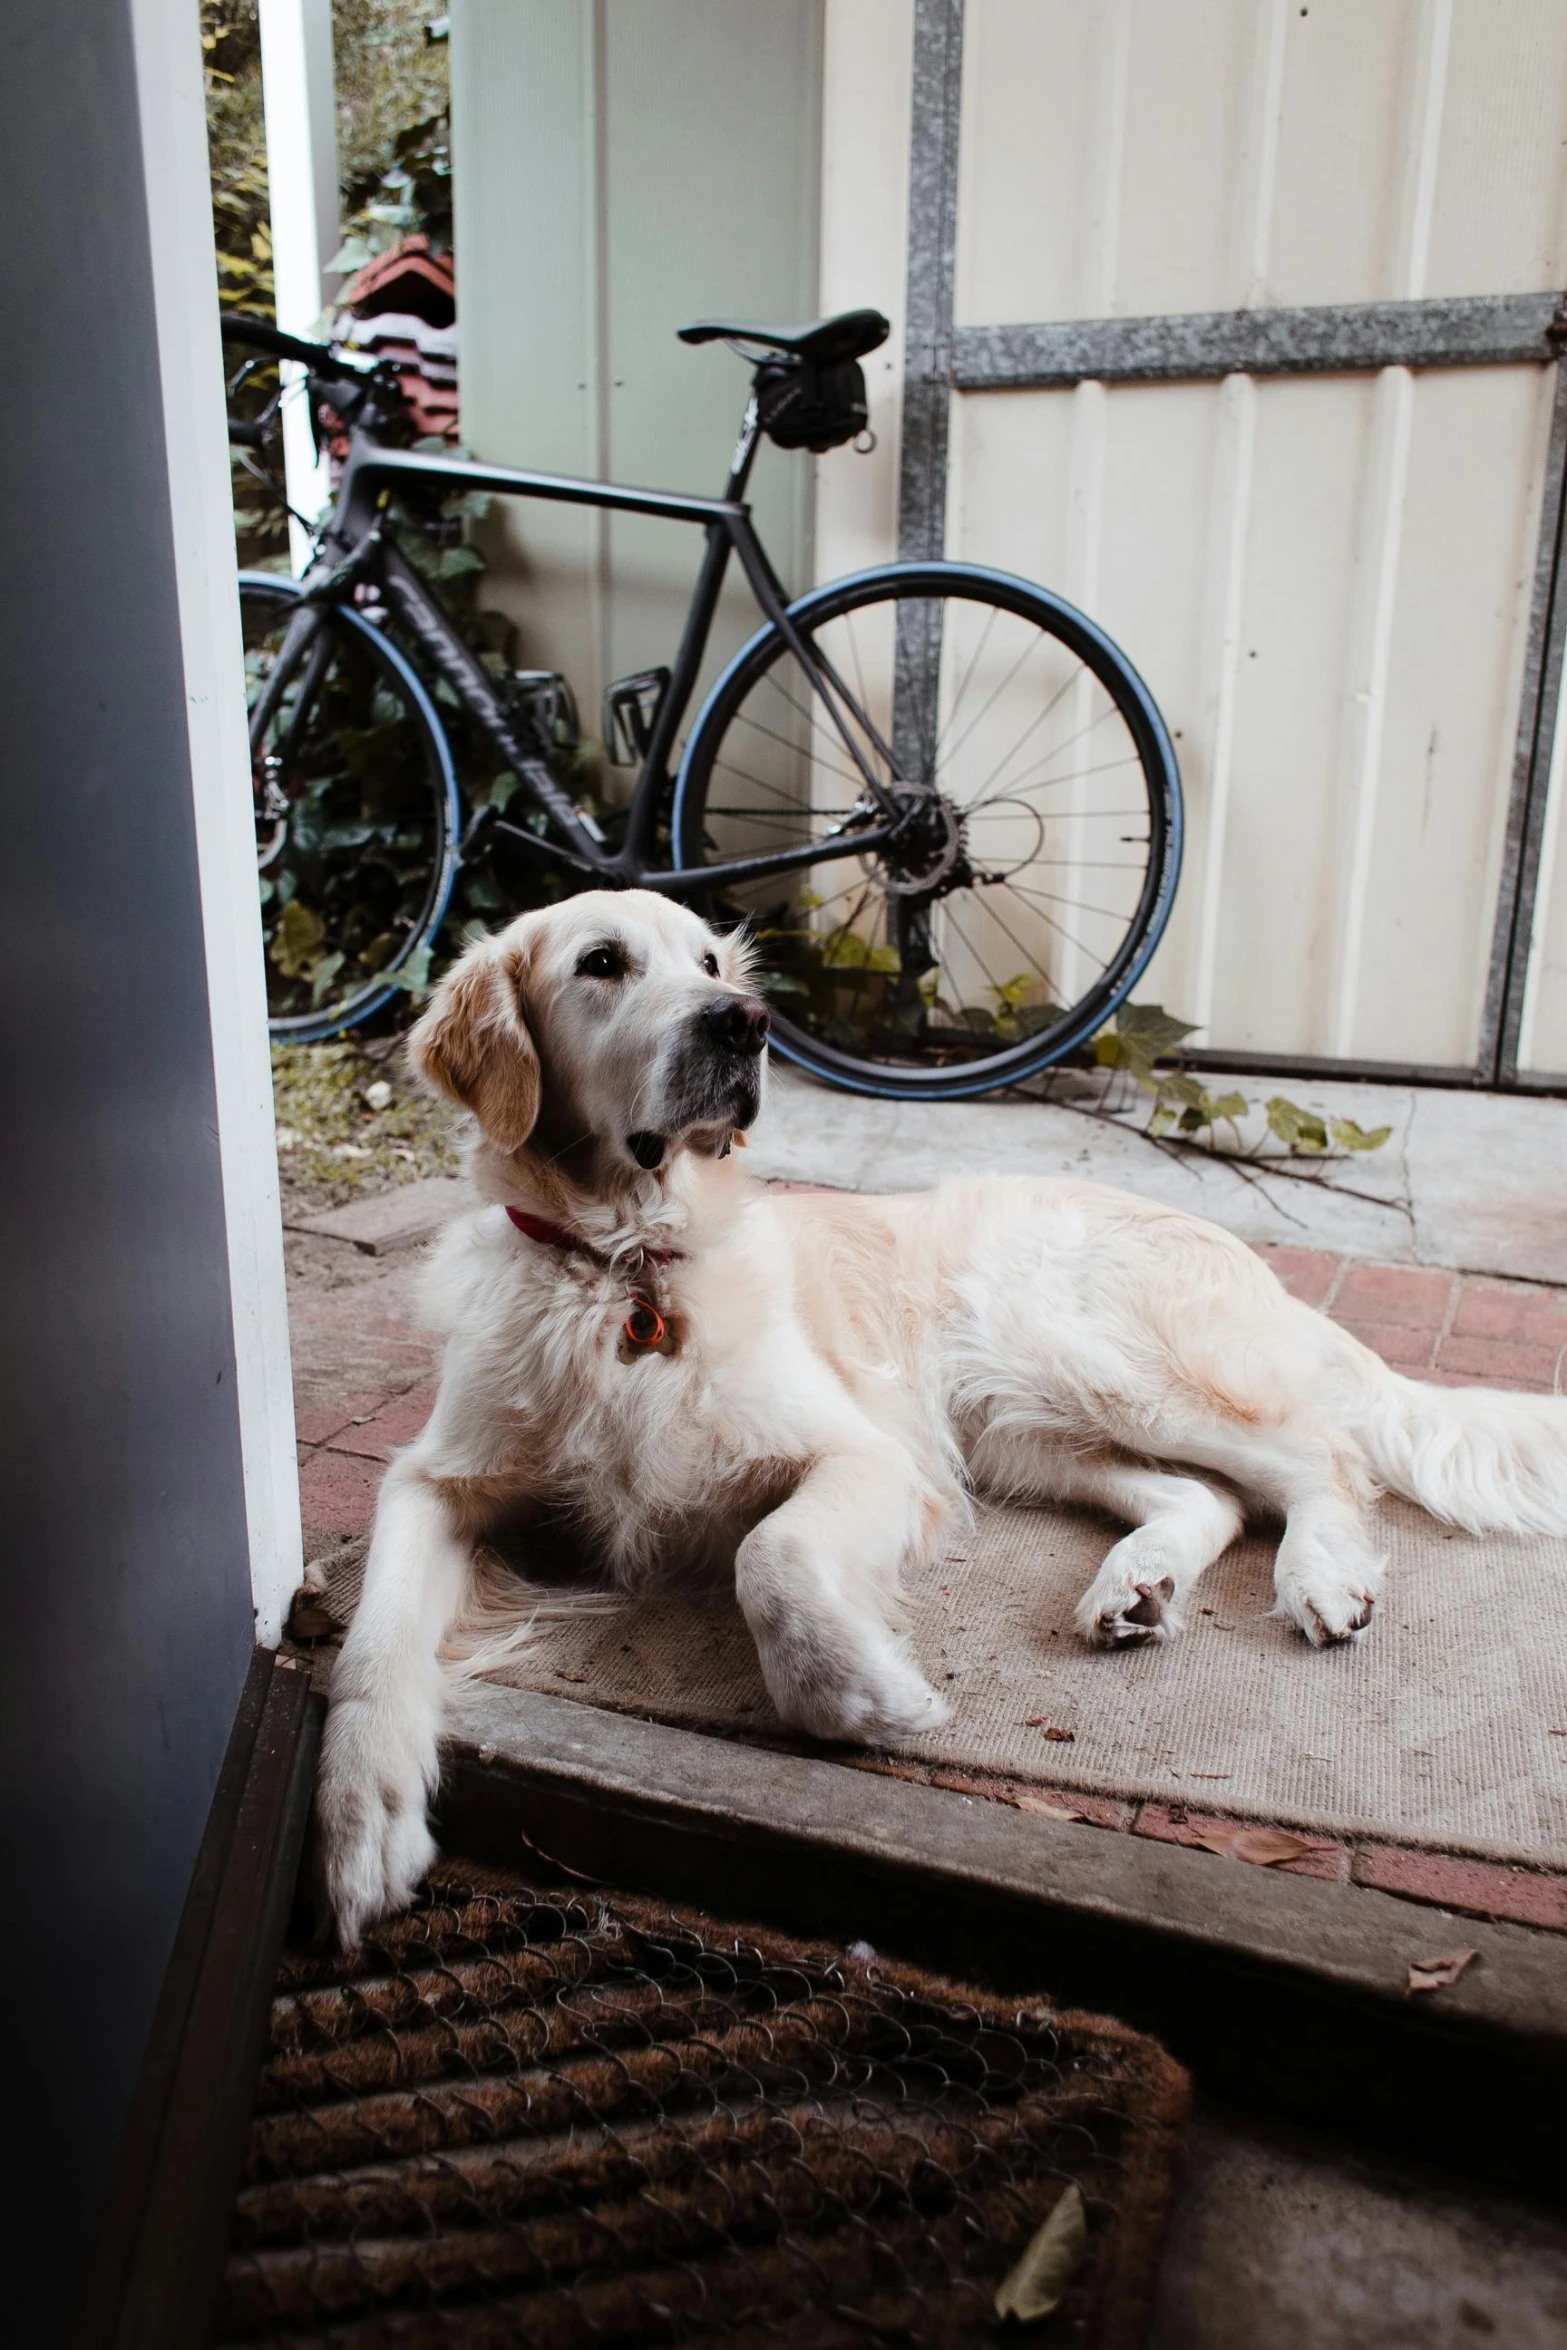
473 1044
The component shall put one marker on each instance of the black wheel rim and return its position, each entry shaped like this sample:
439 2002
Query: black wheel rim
1027 893
351 825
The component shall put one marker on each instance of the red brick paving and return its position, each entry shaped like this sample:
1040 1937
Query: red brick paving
1482 1889
1307 1273
1408 1295
1495 1360
1170 1823
363 1387
1397 1343
1437 1880
1455 1329
336 1496
377 1436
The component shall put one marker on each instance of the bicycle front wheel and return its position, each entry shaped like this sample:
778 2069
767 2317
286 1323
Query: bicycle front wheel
1035 867
357 816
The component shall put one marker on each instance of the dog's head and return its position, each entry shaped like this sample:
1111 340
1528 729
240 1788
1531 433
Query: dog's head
613 1031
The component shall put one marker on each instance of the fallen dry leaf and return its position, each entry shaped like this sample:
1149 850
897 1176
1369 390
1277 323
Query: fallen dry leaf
1048 1811
1037 1722
1038 2283
1434 1974
1265 1848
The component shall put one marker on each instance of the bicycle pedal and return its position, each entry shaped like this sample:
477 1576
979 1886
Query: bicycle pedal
631 708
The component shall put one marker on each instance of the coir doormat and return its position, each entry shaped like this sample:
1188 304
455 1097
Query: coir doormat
558 2117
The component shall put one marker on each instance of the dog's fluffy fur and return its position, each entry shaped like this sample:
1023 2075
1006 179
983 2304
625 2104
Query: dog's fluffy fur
847 1370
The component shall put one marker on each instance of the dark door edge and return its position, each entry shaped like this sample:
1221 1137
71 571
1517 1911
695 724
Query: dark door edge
153 2280
1282 1991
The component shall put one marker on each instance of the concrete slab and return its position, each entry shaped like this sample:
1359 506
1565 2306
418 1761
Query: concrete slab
388 1221
1475 1182
1283 2236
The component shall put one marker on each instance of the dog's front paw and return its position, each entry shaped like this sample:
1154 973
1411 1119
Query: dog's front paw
371 1804
867 1692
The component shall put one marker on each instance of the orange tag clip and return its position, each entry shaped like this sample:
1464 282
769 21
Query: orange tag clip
645 1332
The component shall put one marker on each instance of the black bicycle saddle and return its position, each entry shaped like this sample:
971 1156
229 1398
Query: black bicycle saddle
848 336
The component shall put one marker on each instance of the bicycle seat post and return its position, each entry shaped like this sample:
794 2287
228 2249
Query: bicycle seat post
745 450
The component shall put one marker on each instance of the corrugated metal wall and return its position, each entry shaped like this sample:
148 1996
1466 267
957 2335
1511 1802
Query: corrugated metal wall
1328 580
1336 584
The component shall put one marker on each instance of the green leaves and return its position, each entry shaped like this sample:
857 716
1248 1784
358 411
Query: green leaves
1297 1129
845 950
322 974
296 942
414 976
1351 1137
1018 1011
1144 1034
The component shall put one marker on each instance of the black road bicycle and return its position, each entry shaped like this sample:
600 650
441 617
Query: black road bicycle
942 799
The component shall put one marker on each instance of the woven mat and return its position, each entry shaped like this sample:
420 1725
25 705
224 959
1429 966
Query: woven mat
1435 1730
559 2116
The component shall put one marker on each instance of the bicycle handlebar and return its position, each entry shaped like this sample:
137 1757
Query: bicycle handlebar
239 327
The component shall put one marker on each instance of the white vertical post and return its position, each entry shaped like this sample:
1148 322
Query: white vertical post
301 118
171 101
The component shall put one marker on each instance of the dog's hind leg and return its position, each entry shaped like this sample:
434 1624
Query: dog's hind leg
1328 1571
1180 1526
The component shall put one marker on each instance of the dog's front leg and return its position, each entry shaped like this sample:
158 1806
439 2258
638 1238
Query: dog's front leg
813 1580
379 1760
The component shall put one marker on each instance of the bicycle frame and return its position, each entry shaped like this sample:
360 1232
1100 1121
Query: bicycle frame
353 548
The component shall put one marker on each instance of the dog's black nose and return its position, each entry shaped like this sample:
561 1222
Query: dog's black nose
736 1023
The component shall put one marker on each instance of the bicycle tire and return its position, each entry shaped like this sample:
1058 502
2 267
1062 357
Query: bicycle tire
394 674
969 1067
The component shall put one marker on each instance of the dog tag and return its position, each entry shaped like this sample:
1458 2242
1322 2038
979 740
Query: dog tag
645 1331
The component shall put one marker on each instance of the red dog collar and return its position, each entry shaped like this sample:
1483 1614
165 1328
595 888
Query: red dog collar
556 1236
645 1330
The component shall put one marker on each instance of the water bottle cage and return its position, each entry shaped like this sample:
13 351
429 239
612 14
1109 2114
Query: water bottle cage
631 708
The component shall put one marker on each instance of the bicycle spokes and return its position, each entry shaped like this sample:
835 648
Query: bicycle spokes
1020 861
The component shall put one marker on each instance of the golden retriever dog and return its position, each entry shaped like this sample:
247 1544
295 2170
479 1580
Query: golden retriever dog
800 1390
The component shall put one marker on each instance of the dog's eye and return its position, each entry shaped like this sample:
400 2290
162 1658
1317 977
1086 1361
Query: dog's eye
602 963
710 964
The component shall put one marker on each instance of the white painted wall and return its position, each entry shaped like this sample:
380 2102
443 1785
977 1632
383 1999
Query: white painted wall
174 147
298 89
867 78
1326 581
620 168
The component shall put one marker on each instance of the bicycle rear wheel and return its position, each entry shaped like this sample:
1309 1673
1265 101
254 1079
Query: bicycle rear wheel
1035 872
357 817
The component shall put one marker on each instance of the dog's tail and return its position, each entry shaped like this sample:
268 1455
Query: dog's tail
501 1613
1484 1460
